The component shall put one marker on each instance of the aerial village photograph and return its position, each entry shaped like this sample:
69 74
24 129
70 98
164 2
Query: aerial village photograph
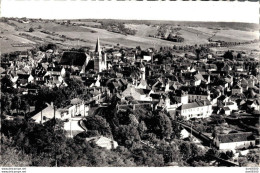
129 84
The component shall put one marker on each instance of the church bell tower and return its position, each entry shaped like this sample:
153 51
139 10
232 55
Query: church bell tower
100 60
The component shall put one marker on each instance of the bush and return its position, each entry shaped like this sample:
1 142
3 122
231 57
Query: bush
31 29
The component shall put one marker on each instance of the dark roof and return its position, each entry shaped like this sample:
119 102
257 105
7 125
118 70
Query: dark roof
155 96
236 87
73 58
226 109
194 104
23 76
235 137
142 91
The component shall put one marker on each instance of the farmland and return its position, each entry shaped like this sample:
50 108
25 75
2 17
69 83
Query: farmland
72 35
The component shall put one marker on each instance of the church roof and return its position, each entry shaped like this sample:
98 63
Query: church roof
98 49
73 58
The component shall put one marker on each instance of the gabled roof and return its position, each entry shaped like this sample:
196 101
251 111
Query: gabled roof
226 109
195 104
199 77
142 91
23 76
155 96
75 101
235 137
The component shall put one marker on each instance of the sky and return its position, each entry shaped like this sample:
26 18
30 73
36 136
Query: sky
145 10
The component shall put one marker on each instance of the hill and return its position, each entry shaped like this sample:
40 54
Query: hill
15 33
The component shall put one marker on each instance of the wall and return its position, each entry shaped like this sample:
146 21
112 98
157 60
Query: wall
198 112
235 145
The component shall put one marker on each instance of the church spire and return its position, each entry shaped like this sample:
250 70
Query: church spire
98 50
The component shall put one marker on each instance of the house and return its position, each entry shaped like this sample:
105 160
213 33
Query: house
116 54
231 105
24 79
222 100
23 56
229 80
159 86
38 74
253 104
171 106
180 96
13 77
116 85
143 85
47 113
55 81
252 81
211 67
227 68
147 58
184 134
53 71
198 95
198 78
137 93
239 68
75 109
130 57
103 142
234 141
237 89
198 109
224 110
73 127
244 84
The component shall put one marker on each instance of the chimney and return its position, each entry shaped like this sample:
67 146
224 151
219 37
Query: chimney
51 104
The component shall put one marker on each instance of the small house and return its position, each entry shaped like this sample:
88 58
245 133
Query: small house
233 141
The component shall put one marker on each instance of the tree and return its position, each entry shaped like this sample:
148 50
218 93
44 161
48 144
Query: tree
147 156
31 29
239 56
160 124
126 135
6 83
253 156
98 123
170 152
176 130
189 150
16 103
228 55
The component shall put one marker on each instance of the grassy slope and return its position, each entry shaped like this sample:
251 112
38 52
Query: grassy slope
194 33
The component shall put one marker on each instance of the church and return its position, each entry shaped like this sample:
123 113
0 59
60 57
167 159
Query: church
100 59
80 62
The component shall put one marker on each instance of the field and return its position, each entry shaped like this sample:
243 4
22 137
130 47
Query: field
227 34
85 36
251 49
142 30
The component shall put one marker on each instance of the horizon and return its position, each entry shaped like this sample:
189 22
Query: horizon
228 12
155 20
